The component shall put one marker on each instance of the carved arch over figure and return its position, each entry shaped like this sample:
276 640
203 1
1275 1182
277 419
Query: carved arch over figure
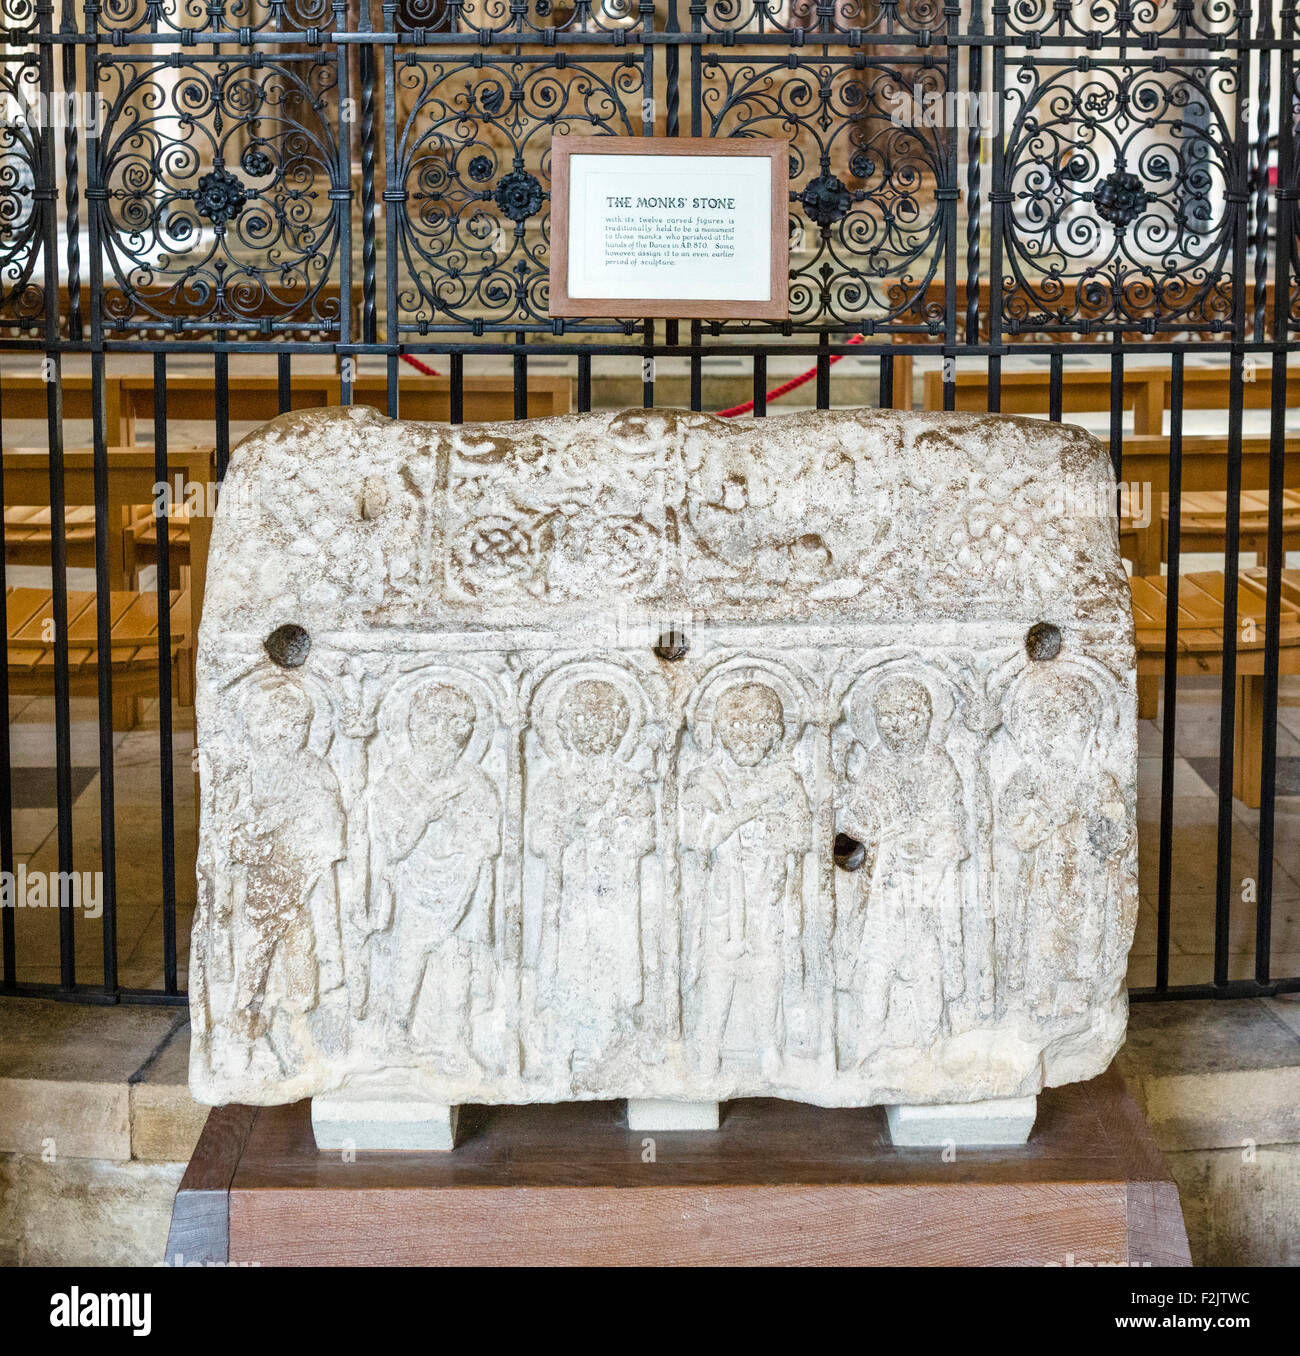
854 706
266 678
797 706
489 706
1036 677
548 691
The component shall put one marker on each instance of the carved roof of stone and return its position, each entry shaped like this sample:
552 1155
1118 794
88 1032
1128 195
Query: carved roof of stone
342 519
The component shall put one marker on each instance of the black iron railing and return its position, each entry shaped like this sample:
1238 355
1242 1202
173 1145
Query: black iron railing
972 182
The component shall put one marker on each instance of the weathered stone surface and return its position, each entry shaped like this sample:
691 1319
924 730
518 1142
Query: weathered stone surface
83 1212
461 820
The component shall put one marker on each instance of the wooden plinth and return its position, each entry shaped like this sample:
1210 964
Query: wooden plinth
779 1183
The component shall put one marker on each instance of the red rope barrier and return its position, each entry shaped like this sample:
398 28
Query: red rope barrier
419 366
774 394
786 387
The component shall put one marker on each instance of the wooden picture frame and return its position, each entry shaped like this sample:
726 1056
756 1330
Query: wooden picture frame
775 307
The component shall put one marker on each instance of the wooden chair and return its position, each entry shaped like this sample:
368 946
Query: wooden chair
1200 648
142 544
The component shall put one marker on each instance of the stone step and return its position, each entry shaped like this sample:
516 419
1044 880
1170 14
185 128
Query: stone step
1219 1083
96 1126
80 1081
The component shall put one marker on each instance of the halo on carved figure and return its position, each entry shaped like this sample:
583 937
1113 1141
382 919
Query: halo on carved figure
734 673
395 711
858 702
263 685
544 706
1040 688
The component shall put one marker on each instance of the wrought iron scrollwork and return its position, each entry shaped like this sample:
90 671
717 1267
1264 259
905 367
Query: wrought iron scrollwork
1117 181
867 167
220 206
22 294
473 158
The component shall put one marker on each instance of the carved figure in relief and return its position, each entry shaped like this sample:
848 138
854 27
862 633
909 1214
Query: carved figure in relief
903 951
289 836
437 818
747 816
1067 821
591 819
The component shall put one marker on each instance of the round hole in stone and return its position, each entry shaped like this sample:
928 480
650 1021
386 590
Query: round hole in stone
288 646
849 852
672 646
1043 641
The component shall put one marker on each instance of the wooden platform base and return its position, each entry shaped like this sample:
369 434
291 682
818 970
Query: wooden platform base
778 1183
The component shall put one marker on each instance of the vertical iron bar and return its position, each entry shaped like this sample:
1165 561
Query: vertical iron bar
1168 749
166 795
760 386
283 388
648 367
221 412
885 395
104 643
106 534
1055 388
999 197
456 396
394 212
584 383
1237 198
1117 410
341 192
521 381
8 947
1276 553
52 366
71 199
973 146
1260 167
366 67
1228 695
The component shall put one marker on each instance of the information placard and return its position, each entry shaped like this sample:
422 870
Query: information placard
678 228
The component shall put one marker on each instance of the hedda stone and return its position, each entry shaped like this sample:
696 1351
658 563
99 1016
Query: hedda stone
473 829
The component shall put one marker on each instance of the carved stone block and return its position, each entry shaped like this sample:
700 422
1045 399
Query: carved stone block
658 756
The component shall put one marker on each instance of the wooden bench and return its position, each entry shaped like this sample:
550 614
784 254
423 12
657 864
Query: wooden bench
27 397
257 399
1146 391
134 643
1200 649
129 399
131 481
28 535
